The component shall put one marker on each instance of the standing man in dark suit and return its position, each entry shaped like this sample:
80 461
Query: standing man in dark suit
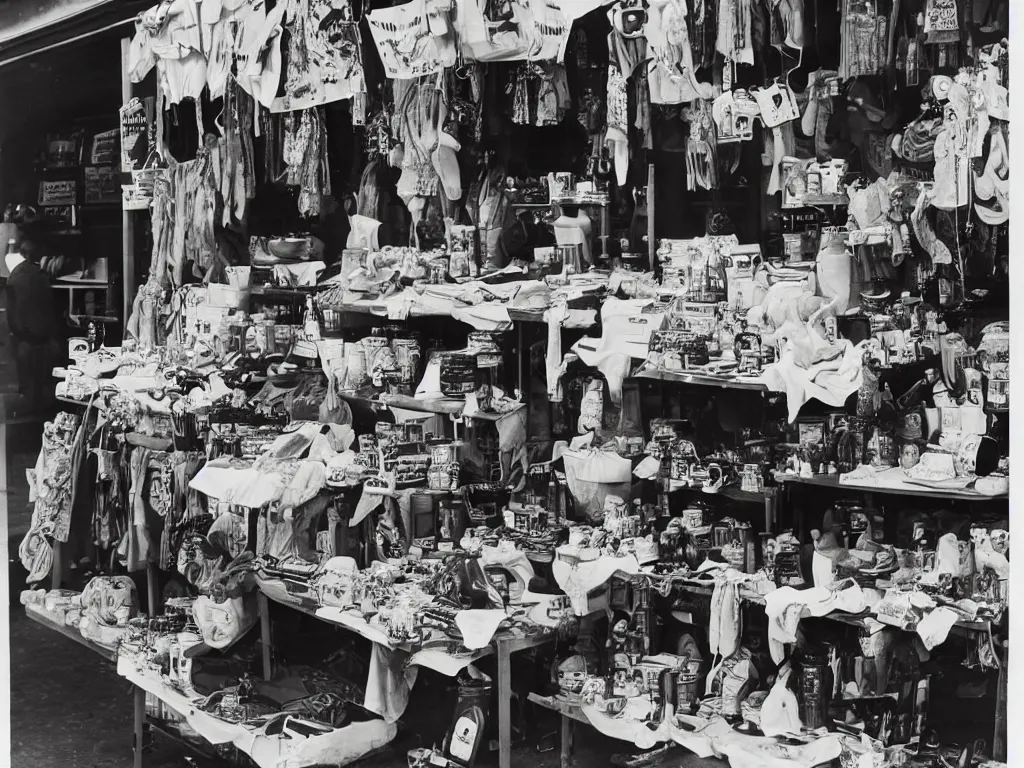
31 317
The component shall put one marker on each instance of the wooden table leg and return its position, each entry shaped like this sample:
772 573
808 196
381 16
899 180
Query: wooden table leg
57 569
264 605
153 589
504 706
140 724
999 736
566 746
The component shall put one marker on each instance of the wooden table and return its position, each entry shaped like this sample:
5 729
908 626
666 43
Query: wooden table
505 644
570 714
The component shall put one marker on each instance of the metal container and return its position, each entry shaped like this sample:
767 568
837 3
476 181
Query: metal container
815 689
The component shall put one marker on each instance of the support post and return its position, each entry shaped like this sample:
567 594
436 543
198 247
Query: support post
652 245
566 744
265 641
140 724
999 736
57 570
127 230
504 705
152 589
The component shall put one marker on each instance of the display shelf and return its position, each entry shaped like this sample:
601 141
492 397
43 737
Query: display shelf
749 497
270 290
562 707
832 481
503 644
731 492
97 404
856 620
442 406
79 319
170 733
79 282
679 377
859 620
42 617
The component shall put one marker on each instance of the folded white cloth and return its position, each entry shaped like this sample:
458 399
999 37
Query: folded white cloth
786 606
831 381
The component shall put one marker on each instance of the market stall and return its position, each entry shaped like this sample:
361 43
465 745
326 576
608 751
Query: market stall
417 376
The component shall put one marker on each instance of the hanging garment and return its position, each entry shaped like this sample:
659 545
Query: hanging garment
734 27
617 135
168 38
407 46
417 105
701 149
787 19
670 73
230 30
305 155
863 49
952 188
835 273
260 73
525 30
323 62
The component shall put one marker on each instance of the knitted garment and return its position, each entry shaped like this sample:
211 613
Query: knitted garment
305 155
670 73
416 119
52 488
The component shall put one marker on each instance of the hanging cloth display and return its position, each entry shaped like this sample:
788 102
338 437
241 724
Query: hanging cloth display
229 31
407 46
512 30
941 24
323 63
670 72
734 24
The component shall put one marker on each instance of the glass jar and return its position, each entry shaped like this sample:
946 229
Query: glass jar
457 374
815 689
490 366
407 357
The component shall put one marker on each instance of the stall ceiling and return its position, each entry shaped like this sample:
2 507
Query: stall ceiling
28 27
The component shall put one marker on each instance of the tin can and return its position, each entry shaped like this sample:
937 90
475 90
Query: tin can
816 684
457 374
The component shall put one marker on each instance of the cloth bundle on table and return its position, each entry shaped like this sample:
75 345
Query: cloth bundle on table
830 375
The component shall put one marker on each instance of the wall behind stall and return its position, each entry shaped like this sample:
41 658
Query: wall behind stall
73 86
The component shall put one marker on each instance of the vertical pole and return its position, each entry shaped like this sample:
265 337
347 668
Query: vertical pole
769 510
140 724
57 572
265 634
504 705
999 736
127 231
651 242
152 589
520 341
566 746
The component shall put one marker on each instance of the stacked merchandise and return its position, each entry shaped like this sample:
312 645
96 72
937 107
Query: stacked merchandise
439 430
